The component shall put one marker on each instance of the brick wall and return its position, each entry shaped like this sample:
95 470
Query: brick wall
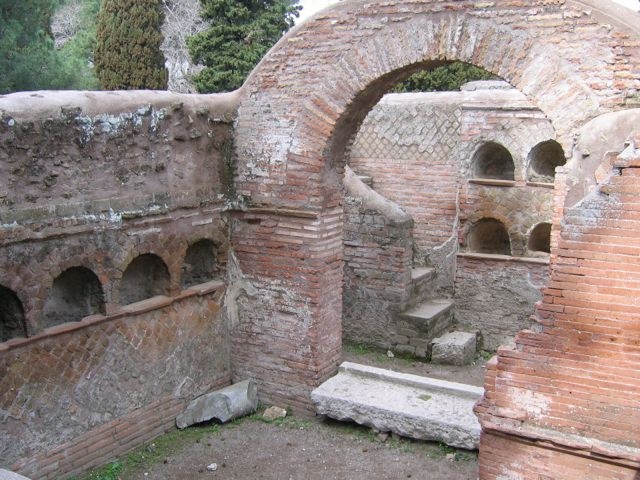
572 381
418 150
574 59
94 180
496 295
378 252
287 329
82 393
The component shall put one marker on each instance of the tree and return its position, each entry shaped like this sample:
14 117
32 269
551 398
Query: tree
74 33
448 77
241 32
127 54
28 60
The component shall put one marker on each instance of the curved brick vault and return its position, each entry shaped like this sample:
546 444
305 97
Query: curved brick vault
575 60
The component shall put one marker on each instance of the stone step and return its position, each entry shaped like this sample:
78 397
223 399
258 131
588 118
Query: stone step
427 320
454 348
421 285
409 405
422 274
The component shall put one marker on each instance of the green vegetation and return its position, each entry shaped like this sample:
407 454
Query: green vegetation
127 53
448 77
241 32
486 354
78 51
28 60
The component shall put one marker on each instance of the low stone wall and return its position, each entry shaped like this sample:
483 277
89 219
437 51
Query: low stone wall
496 294
81 393
377 274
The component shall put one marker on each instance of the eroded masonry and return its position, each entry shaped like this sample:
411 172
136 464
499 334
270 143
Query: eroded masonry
156 246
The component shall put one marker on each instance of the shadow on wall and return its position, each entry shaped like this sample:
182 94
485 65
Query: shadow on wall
543 160
540 238
200 263
12 324
492 160
145 277
76 293
489 235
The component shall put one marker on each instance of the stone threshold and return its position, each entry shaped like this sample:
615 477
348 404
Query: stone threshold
409 405
503 258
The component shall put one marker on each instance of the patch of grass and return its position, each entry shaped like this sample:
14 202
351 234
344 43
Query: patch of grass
150 453
486 354
108 472
425 397
463 456
358 348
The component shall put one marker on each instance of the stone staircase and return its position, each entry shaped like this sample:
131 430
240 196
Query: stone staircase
425 317
408 405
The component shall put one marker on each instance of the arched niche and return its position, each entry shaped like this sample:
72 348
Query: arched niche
12 323
543 160
75 294
200 263
489 235
493 161
540 238
146 276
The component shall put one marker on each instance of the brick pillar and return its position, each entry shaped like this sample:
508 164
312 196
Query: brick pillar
287 333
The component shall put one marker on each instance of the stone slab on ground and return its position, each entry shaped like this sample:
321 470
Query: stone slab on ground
409 405
226 404
454 348
7 475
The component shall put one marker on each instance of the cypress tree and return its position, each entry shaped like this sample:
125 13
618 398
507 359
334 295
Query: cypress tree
241 32
127 54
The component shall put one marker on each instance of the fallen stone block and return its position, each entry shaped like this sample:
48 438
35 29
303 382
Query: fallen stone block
407 405
226 404
454 348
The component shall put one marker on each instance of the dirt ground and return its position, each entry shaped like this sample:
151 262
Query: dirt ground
306 448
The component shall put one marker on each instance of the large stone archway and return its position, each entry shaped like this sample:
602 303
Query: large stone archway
575 60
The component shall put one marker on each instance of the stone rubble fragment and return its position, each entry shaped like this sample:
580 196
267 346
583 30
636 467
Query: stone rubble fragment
226 404
273 413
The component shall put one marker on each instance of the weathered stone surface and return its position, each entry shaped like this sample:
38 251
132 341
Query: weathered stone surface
7 475
454 348
272 413
408 405
226 404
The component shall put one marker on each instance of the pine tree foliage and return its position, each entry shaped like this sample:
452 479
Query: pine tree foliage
28 60
127 53
448 77
241 32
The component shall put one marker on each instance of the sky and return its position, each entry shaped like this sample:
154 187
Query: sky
312 6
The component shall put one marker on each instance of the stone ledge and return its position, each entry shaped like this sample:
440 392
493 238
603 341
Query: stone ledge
503 258
492 182
133 309
550 186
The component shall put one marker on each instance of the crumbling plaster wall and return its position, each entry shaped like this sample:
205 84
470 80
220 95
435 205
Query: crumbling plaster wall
93 180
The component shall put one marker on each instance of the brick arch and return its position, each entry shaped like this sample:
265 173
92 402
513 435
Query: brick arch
318 83
309 95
